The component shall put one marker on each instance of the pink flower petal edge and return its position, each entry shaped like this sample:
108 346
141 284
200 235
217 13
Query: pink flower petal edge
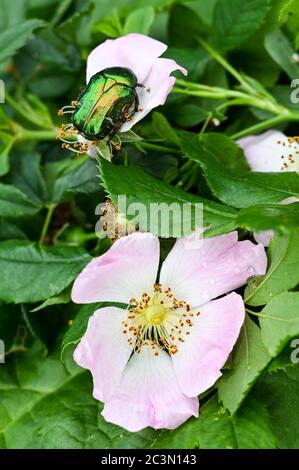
199 360
149 395
104 350
124 271
201 270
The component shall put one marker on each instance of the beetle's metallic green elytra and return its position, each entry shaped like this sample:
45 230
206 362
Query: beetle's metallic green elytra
104 105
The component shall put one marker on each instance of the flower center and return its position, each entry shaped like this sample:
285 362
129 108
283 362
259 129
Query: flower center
158 319
155 314
289 154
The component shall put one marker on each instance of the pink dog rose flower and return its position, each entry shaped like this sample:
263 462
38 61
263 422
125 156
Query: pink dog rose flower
150 361
271 151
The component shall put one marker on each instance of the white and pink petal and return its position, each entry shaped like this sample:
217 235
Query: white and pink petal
200 358
134 51
127 270
104 350
149 395
200 270
270 152
157 86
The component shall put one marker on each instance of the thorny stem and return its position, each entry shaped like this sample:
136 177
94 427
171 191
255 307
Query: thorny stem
47 221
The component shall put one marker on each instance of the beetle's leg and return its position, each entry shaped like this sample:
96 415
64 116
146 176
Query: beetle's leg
136 104
128 116
116 145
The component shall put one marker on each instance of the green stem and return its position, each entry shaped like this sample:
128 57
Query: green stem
47 221
89 236
222 61
23 111
214 90
27 134
126 159
200 93
159 148
268 124
205 124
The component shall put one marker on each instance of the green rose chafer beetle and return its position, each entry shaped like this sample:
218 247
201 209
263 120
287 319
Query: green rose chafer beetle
102 107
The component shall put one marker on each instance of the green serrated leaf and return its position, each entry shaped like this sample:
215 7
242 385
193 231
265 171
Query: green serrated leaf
163 129
280 322
14 37
71 176
34 273
9 322
282 273
234 186
236 20
249 360
27 176
215 429
280 394
63 298
266 217
12 13
5 149
48 404
281 51
141 188
14 204
140 21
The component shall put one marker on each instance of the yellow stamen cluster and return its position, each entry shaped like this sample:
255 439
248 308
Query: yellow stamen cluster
158 320
290 153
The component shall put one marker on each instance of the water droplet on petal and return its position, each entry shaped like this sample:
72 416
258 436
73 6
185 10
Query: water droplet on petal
229 261
237 270
250 270
212 280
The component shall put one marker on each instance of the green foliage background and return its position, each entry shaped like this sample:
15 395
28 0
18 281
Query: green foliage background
240 55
